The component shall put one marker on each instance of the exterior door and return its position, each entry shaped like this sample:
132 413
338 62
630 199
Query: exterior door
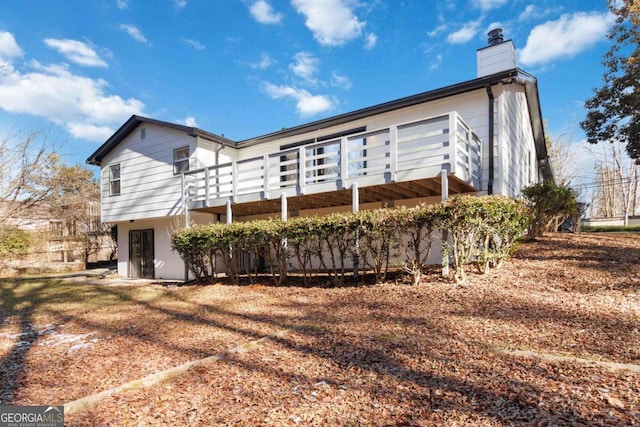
141 254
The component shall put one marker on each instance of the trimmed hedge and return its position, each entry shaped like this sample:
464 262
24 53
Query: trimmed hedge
482 230
479 230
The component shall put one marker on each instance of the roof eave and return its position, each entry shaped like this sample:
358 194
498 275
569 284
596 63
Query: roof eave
456 89
133 122
537 123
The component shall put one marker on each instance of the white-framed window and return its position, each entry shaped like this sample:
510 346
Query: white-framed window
56 228
114 179
180 160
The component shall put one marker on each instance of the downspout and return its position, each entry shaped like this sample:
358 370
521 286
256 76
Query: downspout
491 130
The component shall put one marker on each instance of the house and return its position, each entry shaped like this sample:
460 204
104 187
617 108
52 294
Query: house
61 236
482 136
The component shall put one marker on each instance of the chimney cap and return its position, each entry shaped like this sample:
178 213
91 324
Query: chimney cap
495 36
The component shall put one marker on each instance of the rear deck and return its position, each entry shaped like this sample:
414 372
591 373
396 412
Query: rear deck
403 161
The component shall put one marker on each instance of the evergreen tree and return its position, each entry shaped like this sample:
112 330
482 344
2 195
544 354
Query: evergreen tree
614 110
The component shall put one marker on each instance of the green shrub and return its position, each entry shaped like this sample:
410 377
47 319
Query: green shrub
415 227
550 205
481 231
339 241
13 241
194 245
378 235
304 239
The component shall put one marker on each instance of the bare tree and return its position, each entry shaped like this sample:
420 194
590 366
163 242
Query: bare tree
616 193
35 184
27 165
75 201
562 154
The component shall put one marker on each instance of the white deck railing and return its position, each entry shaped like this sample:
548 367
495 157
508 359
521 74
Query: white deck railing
416 150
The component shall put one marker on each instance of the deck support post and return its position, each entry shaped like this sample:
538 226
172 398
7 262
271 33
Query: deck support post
445 234
284 215
444 184
355 207
283 207
355 197
229 221
229 212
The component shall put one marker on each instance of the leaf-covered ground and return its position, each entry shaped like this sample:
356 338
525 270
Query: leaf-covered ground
392 354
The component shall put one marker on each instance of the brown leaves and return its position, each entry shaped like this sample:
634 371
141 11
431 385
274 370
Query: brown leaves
431 354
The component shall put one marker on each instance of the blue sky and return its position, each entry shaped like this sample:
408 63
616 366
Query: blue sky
244 68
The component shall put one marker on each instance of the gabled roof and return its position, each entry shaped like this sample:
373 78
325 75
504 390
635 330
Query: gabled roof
515 75
134 121
408 101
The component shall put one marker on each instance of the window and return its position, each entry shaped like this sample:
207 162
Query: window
114 180
180 160
55 228
143 133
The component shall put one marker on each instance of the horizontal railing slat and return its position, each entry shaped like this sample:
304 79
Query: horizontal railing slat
419 148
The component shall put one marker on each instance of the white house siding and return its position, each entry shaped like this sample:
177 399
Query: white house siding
517 154
149 189
167 264
205 154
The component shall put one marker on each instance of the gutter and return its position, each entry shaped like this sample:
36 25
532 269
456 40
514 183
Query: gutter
491 142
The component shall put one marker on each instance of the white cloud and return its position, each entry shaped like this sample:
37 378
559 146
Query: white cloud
332 22
76 51
464 34
134 32
305 67
528 12
88 131
370 41
565 37
195 44
190 121
9 49
340 81
439 29
262 12
306 103
436 62
532 11
180 3
80 104
122 4
265 62
491 4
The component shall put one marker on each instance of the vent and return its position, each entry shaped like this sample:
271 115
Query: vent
495 36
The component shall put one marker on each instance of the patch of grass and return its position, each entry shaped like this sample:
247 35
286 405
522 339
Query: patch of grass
610 228
42 298
386 337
